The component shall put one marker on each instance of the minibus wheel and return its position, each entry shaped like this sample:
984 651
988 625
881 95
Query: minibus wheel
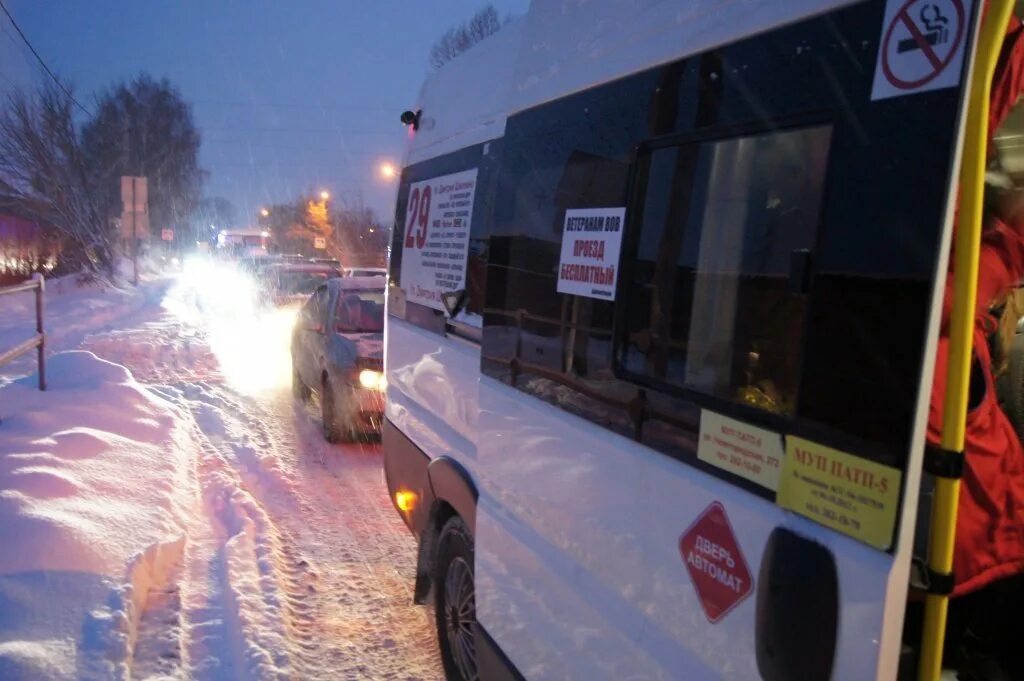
455 600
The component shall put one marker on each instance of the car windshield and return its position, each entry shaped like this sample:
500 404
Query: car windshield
360 311
295 283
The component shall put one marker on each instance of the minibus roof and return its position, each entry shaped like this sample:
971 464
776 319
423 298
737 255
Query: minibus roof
466 101
561 48
568 47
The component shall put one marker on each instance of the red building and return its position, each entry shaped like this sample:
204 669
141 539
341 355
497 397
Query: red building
26 246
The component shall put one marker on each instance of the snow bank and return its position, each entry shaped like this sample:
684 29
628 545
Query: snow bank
74 308
149 265
96 489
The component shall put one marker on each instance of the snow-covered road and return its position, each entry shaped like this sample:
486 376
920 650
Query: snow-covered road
292 563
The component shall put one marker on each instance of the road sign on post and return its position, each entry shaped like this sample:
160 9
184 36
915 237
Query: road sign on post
167 234
135 210
134 216
319 243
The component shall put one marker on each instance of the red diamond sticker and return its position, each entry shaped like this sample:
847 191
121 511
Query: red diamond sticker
715 563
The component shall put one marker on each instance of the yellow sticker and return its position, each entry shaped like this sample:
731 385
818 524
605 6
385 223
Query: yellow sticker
740 448
845 492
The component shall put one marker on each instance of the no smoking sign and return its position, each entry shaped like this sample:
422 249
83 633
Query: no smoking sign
922 46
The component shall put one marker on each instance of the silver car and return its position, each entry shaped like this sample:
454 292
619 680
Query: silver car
287 283
337 350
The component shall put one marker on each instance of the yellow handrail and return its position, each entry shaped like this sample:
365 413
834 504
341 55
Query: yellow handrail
961 329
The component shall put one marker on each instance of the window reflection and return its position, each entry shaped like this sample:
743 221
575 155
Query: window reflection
715 303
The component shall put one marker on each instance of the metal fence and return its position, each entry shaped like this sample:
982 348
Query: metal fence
38 341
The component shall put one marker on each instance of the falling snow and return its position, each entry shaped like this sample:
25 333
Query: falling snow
176 515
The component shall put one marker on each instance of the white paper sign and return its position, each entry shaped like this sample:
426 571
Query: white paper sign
591 241
437 222
921 47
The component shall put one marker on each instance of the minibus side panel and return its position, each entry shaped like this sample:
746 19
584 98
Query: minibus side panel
432 368
432 390
579 573
780 222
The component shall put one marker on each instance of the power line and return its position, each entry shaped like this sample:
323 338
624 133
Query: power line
41 62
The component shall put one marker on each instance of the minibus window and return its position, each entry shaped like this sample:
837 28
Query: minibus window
417 309
710 305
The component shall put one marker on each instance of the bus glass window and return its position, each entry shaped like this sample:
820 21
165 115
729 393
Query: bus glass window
710 307
483 158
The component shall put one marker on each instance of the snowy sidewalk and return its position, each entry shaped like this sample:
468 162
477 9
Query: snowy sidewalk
214 535
95 496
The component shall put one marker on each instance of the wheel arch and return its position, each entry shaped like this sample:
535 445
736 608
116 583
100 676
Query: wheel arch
454 493
452 484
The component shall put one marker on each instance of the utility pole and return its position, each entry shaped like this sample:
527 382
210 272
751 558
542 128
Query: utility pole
135 241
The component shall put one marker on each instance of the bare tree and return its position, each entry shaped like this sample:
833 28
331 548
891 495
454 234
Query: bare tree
144 127
458 39
45 175
358 238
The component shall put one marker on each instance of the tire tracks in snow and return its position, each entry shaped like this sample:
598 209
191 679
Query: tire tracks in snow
366 557
229 609
344 559
296 564
242 572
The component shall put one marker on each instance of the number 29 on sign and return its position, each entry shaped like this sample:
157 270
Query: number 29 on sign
417 216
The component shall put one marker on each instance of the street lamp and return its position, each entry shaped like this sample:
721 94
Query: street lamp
387 170
324 195
264 212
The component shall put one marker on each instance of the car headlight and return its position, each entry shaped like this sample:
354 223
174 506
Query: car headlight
371 380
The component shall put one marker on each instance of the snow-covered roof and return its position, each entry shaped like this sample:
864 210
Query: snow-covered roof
466 101
568 46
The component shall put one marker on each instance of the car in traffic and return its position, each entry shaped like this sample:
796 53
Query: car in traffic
366 272
290 282
337 353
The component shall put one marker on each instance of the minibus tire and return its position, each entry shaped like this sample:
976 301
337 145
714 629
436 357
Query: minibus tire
328 413
455 616
1014 398
299 389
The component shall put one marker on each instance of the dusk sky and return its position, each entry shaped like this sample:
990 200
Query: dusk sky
289 96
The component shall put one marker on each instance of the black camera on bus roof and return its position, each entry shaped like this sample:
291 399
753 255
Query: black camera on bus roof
411 118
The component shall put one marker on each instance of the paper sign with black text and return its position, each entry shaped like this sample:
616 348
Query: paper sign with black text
591 241
436 242
740 448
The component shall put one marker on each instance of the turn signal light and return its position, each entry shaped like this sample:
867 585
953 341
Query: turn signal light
405 500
